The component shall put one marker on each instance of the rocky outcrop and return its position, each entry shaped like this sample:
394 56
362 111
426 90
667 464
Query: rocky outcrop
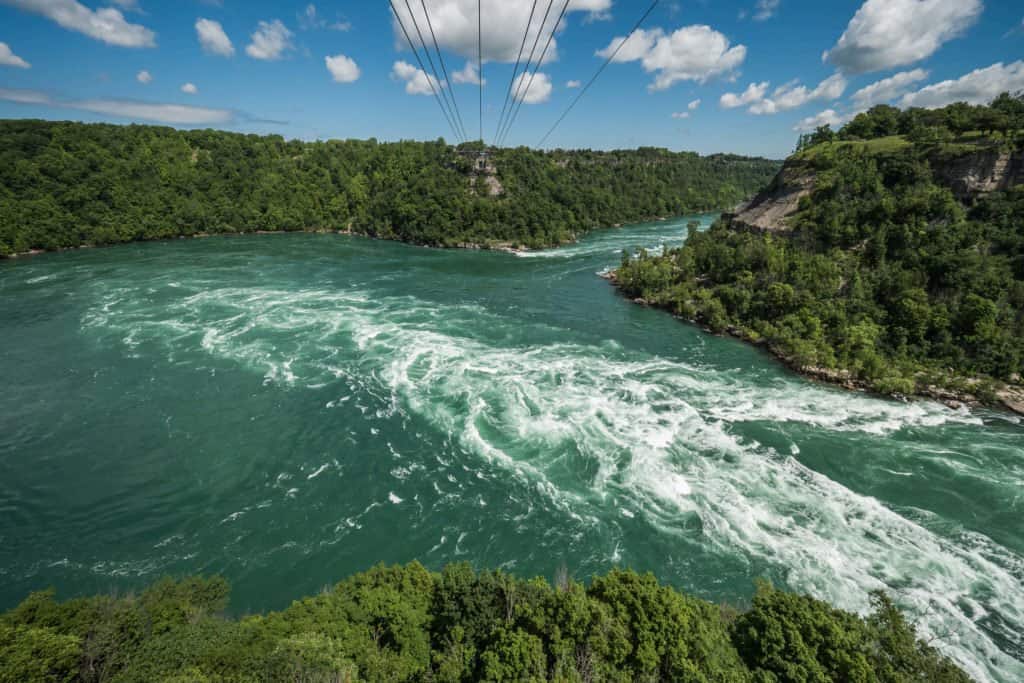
772 208
977 173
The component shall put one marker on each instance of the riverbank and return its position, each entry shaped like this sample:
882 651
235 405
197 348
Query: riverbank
502 246
1006 397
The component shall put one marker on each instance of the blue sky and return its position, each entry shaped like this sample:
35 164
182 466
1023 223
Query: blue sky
712 76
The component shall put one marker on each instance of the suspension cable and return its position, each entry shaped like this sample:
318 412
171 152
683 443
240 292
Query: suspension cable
480 61
599 71
529 60
515 71
444 69
430 60
540 62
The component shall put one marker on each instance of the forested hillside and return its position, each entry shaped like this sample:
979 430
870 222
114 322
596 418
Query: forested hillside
407 624
71 184
902 269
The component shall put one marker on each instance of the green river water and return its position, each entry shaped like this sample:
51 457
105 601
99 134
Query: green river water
288 409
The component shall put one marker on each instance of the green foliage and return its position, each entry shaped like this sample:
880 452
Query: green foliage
408 624
884 277
70 184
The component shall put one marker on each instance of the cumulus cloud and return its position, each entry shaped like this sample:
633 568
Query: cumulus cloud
885 34
189 89
887 89
106 24
692 53
787 96
573 84
144 77
342 68
213 39
8 58
681 115
176 114
755 92
270 41
455 25
468 74
829 117
536 91
692 106
978 87
417 81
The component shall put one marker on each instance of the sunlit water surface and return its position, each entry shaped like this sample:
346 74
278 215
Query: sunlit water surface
288 409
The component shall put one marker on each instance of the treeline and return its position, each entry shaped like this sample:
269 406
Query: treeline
881 273
1003 117
71 184
394 624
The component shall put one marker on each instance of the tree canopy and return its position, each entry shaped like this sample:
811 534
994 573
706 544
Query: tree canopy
883 273
71 184
394 624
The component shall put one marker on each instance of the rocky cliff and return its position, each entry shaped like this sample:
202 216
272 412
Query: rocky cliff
968 172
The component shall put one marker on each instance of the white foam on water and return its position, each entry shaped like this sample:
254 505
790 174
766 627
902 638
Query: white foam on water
656 434
320 470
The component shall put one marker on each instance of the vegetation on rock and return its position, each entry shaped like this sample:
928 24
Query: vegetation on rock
882 277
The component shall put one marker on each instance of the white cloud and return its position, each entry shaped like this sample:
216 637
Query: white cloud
189 89
829 117
884 34
468 74
692 106
755 92
787 96
573 84
130 5
176 114
417 81
887 89
213 39
681 115
24 96
106 24
144 77
270 41
342 68
980 86
8 58
310 18
692 53
765 9
536 91
455 25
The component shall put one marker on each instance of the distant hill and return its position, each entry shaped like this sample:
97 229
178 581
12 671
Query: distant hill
887 256
66 185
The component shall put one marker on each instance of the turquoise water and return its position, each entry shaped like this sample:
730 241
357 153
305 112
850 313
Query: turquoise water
288 409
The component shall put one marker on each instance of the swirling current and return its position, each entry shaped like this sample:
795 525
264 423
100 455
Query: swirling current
288 409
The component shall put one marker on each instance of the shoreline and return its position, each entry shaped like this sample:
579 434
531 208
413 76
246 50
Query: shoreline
505 247
1009 397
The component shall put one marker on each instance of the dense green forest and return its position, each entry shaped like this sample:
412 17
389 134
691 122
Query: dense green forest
71 184
883 273
395 624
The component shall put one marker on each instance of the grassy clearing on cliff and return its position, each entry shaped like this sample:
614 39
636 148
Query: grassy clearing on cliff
407 624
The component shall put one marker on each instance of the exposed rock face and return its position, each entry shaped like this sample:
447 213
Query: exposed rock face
981 172
770 210
968 176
